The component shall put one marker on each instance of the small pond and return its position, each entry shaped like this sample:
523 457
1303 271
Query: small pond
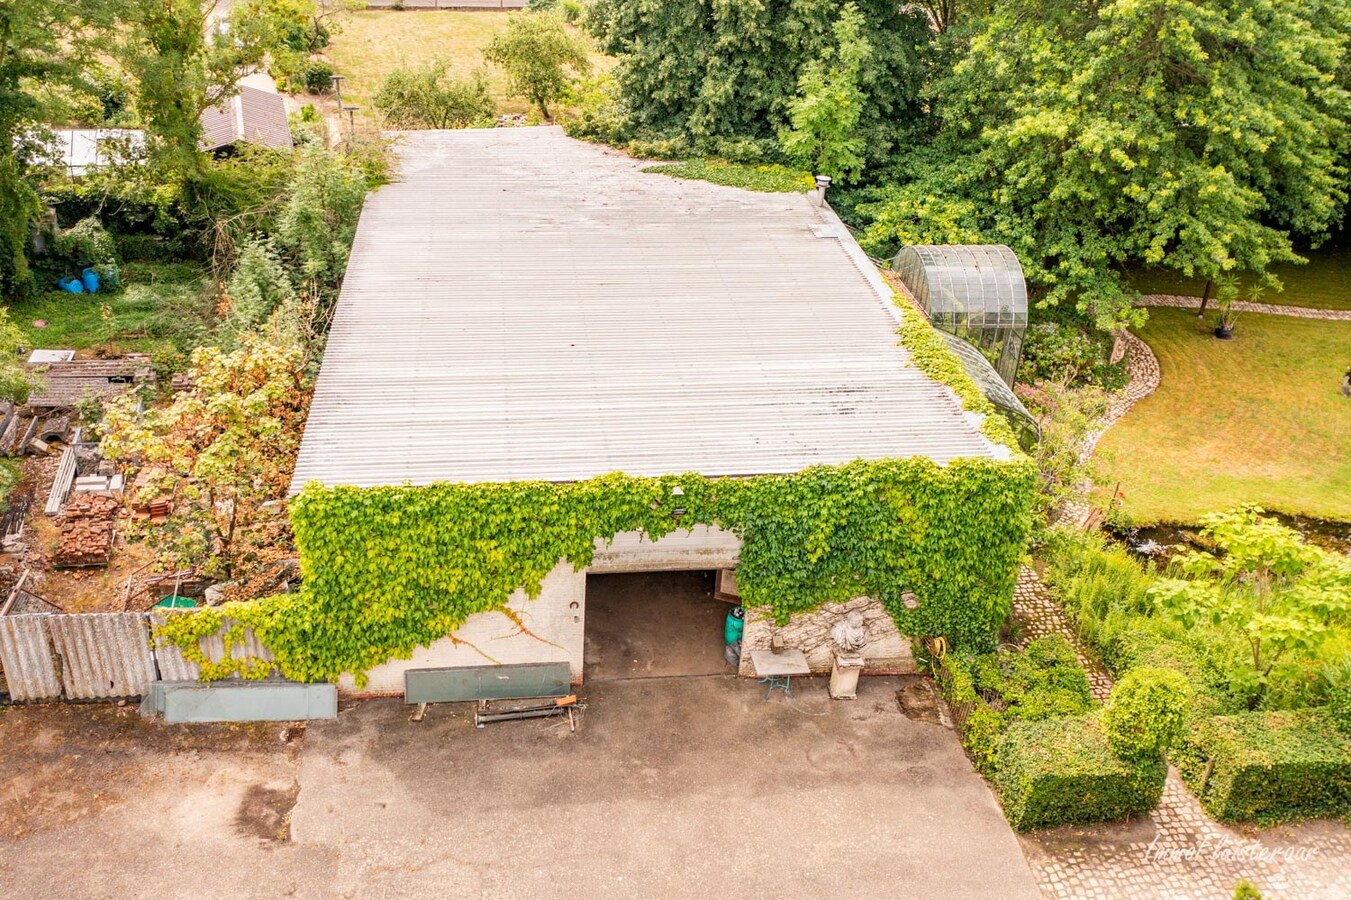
1160 543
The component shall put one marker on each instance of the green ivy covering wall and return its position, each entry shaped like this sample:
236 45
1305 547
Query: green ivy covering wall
389 569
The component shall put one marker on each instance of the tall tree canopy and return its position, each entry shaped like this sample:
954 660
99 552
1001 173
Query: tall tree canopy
40 44
1196 135
708 69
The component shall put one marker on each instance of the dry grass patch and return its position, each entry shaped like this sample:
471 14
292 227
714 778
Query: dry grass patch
374 43
1259 419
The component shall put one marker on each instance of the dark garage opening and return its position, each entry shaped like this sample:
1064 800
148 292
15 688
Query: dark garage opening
653 625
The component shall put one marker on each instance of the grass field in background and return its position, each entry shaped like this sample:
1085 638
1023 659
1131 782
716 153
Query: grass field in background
1259 419
374 43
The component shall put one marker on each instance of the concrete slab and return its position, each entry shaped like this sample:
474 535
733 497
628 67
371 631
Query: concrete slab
669 787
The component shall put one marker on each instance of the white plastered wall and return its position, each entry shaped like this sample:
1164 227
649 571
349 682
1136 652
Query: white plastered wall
550 630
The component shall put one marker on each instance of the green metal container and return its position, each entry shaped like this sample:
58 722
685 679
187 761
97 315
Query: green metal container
173 601
734 626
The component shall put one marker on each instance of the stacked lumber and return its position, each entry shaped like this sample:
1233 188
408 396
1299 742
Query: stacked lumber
87 525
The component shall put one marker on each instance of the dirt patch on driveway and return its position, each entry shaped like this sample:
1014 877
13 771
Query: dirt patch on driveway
266 812
64 762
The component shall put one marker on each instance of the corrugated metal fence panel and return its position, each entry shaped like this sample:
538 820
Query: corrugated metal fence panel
103 654
26 657
174 667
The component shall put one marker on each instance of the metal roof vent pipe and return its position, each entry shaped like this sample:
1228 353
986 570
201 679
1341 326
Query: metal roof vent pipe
819 195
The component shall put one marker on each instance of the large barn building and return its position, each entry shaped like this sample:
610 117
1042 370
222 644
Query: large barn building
523 306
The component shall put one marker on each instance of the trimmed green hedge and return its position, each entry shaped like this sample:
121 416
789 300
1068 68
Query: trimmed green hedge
1268 766
1062 771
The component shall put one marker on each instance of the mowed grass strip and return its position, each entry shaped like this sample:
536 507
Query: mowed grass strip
373 43
1324 282
1259 419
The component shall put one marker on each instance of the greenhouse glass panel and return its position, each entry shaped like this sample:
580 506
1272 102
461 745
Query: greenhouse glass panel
974 291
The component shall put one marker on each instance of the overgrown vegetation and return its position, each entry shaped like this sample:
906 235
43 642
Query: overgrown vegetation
389 569
771 178
1254 633
429 97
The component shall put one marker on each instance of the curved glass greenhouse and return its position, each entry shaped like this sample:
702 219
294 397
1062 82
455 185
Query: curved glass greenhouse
974 291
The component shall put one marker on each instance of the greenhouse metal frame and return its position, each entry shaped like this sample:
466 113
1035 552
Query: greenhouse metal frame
974 291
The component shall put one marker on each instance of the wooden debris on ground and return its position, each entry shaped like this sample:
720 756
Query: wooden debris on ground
87 525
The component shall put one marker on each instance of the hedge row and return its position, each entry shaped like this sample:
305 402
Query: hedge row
1268 766
1062 771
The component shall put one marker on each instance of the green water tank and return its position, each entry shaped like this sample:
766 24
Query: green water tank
173 601
734 626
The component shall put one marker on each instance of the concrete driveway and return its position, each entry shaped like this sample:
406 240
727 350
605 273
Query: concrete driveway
670 787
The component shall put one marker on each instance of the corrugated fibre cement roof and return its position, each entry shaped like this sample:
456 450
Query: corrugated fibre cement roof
522 306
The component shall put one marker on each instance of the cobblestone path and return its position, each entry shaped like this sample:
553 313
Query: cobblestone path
1270 309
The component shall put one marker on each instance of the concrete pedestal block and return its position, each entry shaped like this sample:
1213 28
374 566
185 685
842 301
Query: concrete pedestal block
844 676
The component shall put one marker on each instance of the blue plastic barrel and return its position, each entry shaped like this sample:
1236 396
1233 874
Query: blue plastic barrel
734 625
71 285
91 280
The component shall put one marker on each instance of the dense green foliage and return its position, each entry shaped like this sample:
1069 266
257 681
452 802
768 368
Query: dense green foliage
1062 771
824 116
389 569
1268 766
772 178
41 44
429 97
540 56
997 689
1281 599
703 71
1147 713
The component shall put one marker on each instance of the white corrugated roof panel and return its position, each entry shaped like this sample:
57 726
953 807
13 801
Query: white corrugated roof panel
521 305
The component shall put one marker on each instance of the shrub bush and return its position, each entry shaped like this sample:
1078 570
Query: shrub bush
88 243
998 688
1268 766
1045 680
1147 713
1062 771
430 97
317 76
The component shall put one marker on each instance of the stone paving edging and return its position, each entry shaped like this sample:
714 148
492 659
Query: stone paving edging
1178 301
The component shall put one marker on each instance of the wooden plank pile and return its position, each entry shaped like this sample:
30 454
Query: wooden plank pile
87 525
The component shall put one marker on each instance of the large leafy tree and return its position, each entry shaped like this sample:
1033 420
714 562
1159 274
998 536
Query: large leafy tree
222 451
825 114
714 69
540 55
41 43
1196 135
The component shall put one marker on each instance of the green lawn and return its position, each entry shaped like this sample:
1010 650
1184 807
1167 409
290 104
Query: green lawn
374 43
1324 282
164 309
1259 419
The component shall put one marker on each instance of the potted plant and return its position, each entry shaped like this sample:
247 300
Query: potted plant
1226 293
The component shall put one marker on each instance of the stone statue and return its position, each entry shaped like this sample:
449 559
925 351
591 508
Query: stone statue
850 634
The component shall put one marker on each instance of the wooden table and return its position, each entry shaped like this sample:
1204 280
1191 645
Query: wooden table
777 669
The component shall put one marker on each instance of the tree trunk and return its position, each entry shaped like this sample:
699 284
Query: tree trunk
1205 296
